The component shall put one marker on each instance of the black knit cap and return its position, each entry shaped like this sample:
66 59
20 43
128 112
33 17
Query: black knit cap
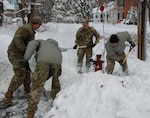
114 39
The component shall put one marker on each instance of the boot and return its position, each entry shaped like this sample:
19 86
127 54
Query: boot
8 97
26 86
27 89
30 114
27 82
79 69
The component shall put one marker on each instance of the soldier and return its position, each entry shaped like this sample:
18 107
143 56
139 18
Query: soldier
49 59
84 37
115 51
15 51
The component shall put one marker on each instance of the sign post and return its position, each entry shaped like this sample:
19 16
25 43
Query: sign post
102 9
142 29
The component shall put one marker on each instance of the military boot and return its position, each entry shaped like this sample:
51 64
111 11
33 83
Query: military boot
79 69
30 114
87 69
27 86
8 97
27 82
27 89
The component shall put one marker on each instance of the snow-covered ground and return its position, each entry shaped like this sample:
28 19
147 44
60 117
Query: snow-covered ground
93 94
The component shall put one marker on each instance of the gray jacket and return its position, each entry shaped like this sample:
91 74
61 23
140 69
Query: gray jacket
46 51
113 52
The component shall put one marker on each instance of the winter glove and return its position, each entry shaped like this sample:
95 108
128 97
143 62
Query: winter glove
25 64
75 47
91 45
120 62
59 72
132 44
93 61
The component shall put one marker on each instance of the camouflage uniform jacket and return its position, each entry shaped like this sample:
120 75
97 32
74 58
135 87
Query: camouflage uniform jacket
47 51
21 38
113 52
84 37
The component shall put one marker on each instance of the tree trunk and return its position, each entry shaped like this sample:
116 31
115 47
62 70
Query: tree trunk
22 13
31 14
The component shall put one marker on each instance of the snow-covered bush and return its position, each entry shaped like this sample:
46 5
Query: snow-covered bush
132 16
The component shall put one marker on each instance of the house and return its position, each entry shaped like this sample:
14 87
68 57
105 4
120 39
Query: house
115 11
108 15
124 6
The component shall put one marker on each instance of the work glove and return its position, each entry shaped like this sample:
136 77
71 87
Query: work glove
25 64
75 47
93 61
120 62
91 45
132 44
59 71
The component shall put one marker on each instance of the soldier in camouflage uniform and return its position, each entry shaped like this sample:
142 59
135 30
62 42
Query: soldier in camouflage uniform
15 52
84 37
115 47
49 60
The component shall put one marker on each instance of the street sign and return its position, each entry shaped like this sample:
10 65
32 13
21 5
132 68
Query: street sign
101 8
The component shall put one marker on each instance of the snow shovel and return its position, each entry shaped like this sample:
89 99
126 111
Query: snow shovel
65 49
131 47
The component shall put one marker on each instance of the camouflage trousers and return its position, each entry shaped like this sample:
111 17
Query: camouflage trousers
80 53
42 73
21 74
111 64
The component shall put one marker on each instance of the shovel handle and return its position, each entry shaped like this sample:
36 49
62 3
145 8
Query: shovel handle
131 47
82 46
125 58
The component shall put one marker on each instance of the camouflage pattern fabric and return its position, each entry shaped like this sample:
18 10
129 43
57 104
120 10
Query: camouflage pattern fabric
85 38
15 52
20 40
80 53
43 72
111 64
21 74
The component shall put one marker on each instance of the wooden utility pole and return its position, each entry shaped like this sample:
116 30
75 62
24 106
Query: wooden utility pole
142 16
1 12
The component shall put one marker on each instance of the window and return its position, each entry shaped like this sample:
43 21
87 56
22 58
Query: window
121 3
121 16
96 16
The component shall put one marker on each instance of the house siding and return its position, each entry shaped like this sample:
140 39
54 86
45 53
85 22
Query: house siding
124 6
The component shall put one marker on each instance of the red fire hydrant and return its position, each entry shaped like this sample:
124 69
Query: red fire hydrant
98 63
